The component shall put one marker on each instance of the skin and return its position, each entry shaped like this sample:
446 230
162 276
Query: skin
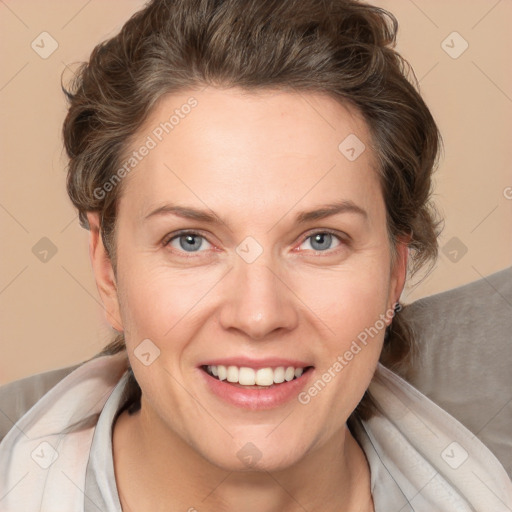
255 160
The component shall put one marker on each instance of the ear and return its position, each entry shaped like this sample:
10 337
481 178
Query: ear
399 270
103 273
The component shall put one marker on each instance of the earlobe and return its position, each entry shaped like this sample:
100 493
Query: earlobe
104 273
399 272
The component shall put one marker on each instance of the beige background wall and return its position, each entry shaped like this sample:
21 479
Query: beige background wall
50 314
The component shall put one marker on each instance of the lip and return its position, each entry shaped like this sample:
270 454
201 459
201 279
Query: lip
269 362
260 398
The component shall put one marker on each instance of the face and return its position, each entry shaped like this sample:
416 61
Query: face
255 281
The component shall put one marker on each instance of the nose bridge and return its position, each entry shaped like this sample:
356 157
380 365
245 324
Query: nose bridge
257 302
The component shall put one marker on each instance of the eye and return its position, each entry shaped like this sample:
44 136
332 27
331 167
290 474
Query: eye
187 241
192 242
321 241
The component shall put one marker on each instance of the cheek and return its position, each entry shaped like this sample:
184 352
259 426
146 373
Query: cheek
348 298
168 307
156 299
351 305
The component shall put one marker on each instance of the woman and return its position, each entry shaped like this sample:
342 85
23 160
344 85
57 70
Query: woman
254 175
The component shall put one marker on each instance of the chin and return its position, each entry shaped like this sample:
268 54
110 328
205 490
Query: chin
257 454
253 461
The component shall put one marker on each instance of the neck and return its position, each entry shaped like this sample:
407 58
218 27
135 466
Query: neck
154 467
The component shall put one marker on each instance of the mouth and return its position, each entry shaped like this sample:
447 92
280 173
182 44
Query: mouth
255 384
255 378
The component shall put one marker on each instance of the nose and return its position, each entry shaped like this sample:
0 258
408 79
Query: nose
258 302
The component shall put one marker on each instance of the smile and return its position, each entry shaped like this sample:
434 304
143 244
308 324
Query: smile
261 377
255 389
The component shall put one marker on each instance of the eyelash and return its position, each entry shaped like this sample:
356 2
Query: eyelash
174 236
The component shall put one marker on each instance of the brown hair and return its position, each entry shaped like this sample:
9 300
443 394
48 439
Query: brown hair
342 48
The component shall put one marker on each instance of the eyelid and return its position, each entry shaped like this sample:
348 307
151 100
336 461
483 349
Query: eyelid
339 234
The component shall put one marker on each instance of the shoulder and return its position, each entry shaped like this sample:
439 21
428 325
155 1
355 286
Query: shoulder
464 353
411 437
17 397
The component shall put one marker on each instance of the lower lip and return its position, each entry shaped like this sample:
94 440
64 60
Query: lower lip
258 398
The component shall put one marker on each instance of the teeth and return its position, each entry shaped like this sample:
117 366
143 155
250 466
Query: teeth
222 372
279 375
265 377
247 376
250 377
289 373
232 374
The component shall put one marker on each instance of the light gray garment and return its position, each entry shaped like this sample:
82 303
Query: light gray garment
465 345
100 483
17 397
465 357
421 459
101 490
403 445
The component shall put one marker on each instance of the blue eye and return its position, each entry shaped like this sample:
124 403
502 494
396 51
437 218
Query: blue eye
188 241
321 241
191 241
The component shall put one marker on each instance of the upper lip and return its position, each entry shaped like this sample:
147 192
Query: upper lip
272 362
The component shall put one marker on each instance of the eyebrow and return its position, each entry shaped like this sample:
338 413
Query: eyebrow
322 212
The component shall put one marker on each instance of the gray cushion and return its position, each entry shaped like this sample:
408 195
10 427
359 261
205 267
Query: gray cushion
465 349
17 397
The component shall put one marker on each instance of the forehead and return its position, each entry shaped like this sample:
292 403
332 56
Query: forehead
252 149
